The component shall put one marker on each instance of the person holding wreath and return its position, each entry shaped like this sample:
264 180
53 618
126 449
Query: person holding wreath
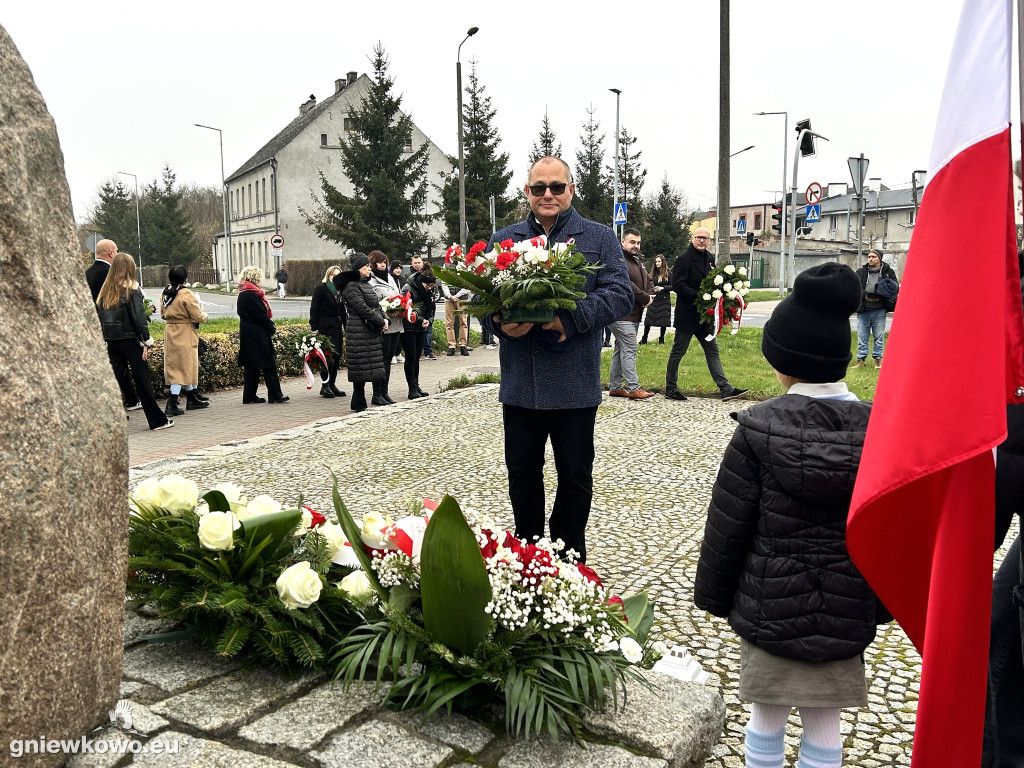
327 316
385 286
363 326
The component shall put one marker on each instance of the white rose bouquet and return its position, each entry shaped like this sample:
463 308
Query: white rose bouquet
720 299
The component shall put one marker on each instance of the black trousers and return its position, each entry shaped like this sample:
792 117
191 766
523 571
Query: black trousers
123 374
572 439
412 348
389 347
251 381
127 353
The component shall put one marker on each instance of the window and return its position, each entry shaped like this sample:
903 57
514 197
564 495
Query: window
323 139
257 195
265 194
757 222
250 199
350 124
273 193
408 146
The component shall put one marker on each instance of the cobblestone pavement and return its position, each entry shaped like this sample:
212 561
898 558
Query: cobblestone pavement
656 463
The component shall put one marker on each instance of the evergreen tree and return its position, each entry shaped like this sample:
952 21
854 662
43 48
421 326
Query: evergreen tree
487 171
167 233
546 142
114 216
593 184
632 175
389 184
666 232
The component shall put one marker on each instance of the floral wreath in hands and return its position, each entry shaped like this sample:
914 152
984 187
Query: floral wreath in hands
316 350
720 299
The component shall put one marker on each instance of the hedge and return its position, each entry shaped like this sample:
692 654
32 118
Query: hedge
304 276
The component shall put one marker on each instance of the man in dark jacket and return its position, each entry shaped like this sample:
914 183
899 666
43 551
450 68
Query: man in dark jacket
551 374
872 310
95 277
687 273
282 278
622 378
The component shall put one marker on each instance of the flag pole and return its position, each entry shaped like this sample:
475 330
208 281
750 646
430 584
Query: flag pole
1020 73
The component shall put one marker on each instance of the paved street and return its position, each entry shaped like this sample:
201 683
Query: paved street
657 460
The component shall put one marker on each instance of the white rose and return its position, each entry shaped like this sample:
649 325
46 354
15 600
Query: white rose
744 292
233 493
706 297
336 539
729 269
305 523
631 650
217 530
261 505
734 295
716 294
737 284
743 271
373 530
299 586
719 279
727 287
148 491
357 585
177 494
660 648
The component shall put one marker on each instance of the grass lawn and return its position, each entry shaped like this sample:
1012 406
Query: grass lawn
743 363
221 325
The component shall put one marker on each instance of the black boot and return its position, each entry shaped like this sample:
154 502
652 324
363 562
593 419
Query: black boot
337 392
193 403
358 402
387 397
326 391
172 409
200 395
377 398
420 391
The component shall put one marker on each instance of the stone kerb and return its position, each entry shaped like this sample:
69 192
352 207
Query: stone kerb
64 476
222 714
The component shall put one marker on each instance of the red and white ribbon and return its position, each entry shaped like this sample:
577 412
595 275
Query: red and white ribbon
316 352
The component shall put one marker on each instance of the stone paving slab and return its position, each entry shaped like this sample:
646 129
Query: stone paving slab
229 701
455 730
173 666
303 723
549 754
380 745
194 752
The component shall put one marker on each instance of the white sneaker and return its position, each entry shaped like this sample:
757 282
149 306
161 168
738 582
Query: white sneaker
400 358
394 359
168 425
492 346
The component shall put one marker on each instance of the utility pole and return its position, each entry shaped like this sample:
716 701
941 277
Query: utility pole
615 183
724 115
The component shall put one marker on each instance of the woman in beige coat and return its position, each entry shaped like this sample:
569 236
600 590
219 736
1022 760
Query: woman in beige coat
182 315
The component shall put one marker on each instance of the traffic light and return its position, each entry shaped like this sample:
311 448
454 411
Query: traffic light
750 237
777 218
807 143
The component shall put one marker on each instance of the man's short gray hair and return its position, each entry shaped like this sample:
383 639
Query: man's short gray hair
549 159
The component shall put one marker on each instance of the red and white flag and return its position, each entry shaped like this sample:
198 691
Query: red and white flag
921 523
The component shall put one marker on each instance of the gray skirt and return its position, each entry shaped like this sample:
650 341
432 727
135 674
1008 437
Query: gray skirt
769 679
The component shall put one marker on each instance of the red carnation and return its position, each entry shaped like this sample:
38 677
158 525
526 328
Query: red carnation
318 519
589 573
476 248
506 245
504 260
511 542
481 269
491 547
616 600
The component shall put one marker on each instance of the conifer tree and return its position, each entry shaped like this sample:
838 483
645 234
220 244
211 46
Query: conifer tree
487 170
632 175
385 210
167 233
546 143
114 215
666 232
593 183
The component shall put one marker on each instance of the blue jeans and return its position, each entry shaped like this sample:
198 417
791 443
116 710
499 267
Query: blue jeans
870 321
622 374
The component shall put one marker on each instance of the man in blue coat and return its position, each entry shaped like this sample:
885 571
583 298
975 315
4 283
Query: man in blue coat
551 374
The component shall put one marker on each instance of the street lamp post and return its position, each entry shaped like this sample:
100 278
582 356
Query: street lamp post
782 223
463 229
138 227
223 199
615 183
718 208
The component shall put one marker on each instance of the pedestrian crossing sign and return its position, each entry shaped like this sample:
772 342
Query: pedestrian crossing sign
620 213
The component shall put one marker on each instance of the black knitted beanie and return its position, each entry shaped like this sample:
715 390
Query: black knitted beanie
808 334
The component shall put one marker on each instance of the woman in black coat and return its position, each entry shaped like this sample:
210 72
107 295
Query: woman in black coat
327 316
255 347
659 313
363 327
420 287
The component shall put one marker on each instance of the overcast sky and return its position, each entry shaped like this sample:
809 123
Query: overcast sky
126 81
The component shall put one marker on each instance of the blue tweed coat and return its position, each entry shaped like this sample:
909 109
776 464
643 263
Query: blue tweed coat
539 372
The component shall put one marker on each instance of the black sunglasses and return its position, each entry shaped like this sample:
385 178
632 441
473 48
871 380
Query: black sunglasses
557 188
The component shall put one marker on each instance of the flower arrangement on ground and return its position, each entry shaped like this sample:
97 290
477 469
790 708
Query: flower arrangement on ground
522 282
720 299
458 613
247 577
315 349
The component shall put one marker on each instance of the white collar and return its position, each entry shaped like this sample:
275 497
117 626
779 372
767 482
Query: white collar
833 390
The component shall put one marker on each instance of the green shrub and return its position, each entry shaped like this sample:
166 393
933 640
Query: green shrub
304 276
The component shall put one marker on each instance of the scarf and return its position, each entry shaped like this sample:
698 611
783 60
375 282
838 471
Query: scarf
245 285
170 293
332 287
